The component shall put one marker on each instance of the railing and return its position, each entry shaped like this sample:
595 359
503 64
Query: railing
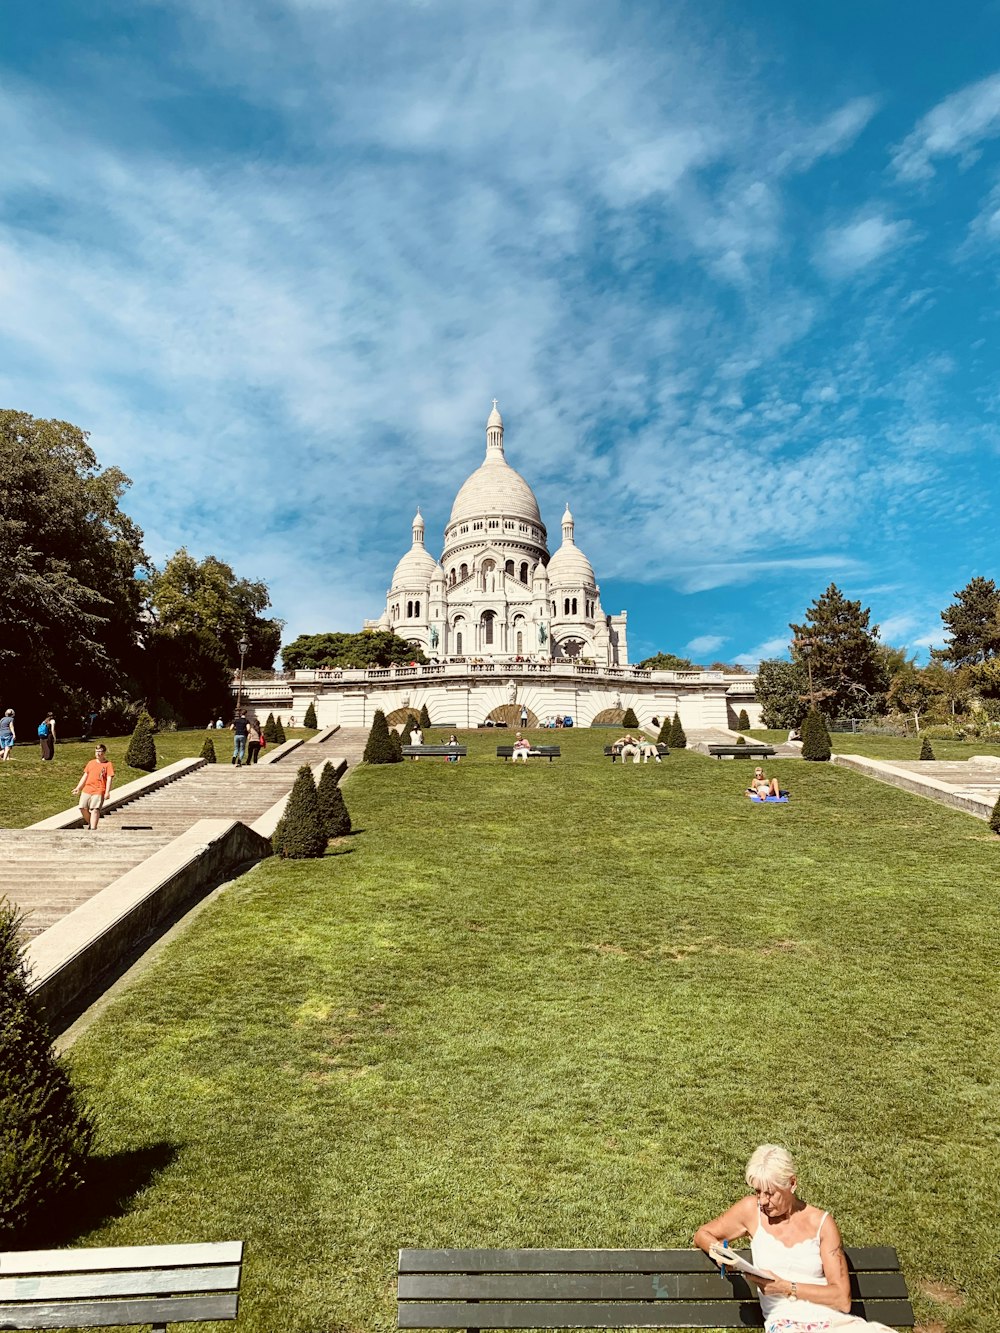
737 684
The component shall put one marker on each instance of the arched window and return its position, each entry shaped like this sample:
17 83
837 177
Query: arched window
565 606
486 627
524 571
463 572
458 627
574 606
409 610
458 643
519 643
509 569
451 580
416 610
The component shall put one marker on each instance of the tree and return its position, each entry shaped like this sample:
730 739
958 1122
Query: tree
141 752
926 750
995 817
669 662
279 731
270 730
208 750
678 740
815 737
743 721
379 749
69 596
665 730
843 653
425 718
301 833
910 691
310 718
780 688
332 808
630 720
407 734
973 624
396 745
45 1133
733 668
378 648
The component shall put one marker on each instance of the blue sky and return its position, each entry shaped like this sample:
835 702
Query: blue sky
730 269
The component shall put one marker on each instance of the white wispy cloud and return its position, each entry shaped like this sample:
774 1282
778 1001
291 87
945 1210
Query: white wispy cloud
832 136
954 128
852 247
776 647
705 644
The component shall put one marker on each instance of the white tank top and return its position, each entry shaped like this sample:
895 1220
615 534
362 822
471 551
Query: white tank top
800 1262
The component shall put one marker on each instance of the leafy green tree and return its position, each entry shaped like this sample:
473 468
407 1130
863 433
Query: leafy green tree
377 648
270 731
910 691
781 691
279 731
843 653
208 750
301 833
45 1133
668 662
332 807
425 718
69 596
926 750
630 720
678 739
815 737
378 749
743 721
973 624
733 668
310 718
141 752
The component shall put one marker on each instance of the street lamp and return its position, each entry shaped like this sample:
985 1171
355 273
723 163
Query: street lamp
244 647
805 647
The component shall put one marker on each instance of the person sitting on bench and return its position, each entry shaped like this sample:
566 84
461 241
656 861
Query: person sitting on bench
763 787
797 1245
521 748
648 750
628 748
452 740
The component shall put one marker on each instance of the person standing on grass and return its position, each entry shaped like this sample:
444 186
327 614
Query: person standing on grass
47 737
94 787
7 734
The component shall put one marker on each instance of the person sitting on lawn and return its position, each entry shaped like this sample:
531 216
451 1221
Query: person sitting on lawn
521 748
799 1247
763 787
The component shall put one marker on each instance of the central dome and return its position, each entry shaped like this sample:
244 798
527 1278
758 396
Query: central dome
494 487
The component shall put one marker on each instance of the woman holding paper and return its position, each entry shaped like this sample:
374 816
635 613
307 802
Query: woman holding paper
798 1258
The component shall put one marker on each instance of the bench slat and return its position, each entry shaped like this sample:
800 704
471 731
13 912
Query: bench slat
871 1258
17 1262
660 1315
132 1282
106 1314
612 1287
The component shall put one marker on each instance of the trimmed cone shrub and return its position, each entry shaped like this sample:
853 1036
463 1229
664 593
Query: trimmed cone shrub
741 740
310 718
425 718
815 737
279 731
379 748
407 734
141 752
332 810
270 732
678 740
926 749
45 1133
665 730
208 750
995 817
396 745
630 720
300 833
743 721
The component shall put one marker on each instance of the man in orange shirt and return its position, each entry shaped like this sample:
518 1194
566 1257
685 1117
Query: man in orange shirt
95 787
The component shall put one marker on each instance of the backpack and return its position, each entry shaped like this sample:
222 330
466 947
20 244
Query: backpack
43 728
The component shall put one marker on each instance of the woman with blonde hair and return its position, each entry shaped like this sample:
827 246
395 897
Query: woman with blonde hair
807 1289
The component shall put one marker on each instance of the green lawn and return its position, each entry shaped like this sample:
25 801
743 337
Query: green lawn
31 790
888 747
559 1005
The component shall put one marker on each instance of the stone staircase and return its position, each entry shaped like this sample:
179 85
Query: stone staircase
216 791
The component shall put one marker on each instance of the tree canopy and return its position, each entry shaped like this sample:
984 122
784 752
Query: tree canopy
781 691
669 662
842 650
369 648
973 624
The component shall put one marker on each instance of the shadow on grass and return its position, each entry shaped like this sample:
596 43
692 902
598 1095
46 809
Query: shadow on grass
111 1186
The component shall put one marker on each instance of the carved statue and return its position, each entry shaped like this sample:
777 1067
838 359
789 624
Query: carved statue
512 691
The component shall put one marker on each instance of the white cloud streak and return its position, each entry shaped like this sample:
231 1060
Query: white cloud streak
954 128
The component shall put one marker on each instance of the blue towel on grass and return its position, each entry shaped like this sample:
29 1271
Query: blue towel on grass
769 800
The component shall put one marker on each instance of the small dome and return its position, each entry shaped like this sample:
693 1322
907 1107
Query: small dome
569 567
415 570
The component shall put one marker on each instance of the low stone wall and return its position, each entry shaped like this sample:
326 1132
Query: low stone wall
140 787
932 788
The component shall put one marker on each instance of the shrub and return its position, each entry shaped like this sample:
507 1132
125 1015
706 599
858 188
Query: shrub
141 752
678 740
379 749
310 718
332 810
941 734
300 833
396 745
743 721
270 732
279 731
407 733
208 750
995 817
741 740
45 1133
815 737
425 718
630 721
926 749
665 730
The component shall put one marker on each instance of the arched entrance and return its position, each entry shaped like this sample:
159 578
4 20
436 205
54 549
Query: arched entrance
511 715
609 717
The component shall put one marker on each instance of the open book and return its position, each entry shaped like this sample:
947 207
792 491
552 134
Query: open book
736 1262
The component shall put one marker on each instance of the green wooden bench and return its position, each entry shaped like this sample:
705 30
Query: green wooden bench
748 751
614 752
124 1287
435 751
549 1289
548 752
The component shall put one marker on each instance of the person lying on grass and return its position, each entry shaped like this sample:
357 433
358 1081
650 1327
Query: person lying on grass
807 1289
762 786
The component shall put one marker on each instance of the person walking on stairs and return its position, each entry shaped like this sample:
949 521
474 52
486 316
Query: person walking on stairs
94 787
240 727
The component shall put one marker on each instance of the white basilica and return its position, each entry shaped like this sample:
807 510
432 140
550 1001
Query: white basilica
496 592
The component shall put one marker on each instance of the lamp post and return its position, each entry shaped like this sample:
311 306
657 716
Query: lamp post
244 647
805 647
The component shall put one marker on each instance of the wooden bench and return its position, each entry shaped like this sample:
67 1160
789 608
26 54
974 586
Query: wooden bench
548 752
548 1289
614 752
128 1286
435 751
748 751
